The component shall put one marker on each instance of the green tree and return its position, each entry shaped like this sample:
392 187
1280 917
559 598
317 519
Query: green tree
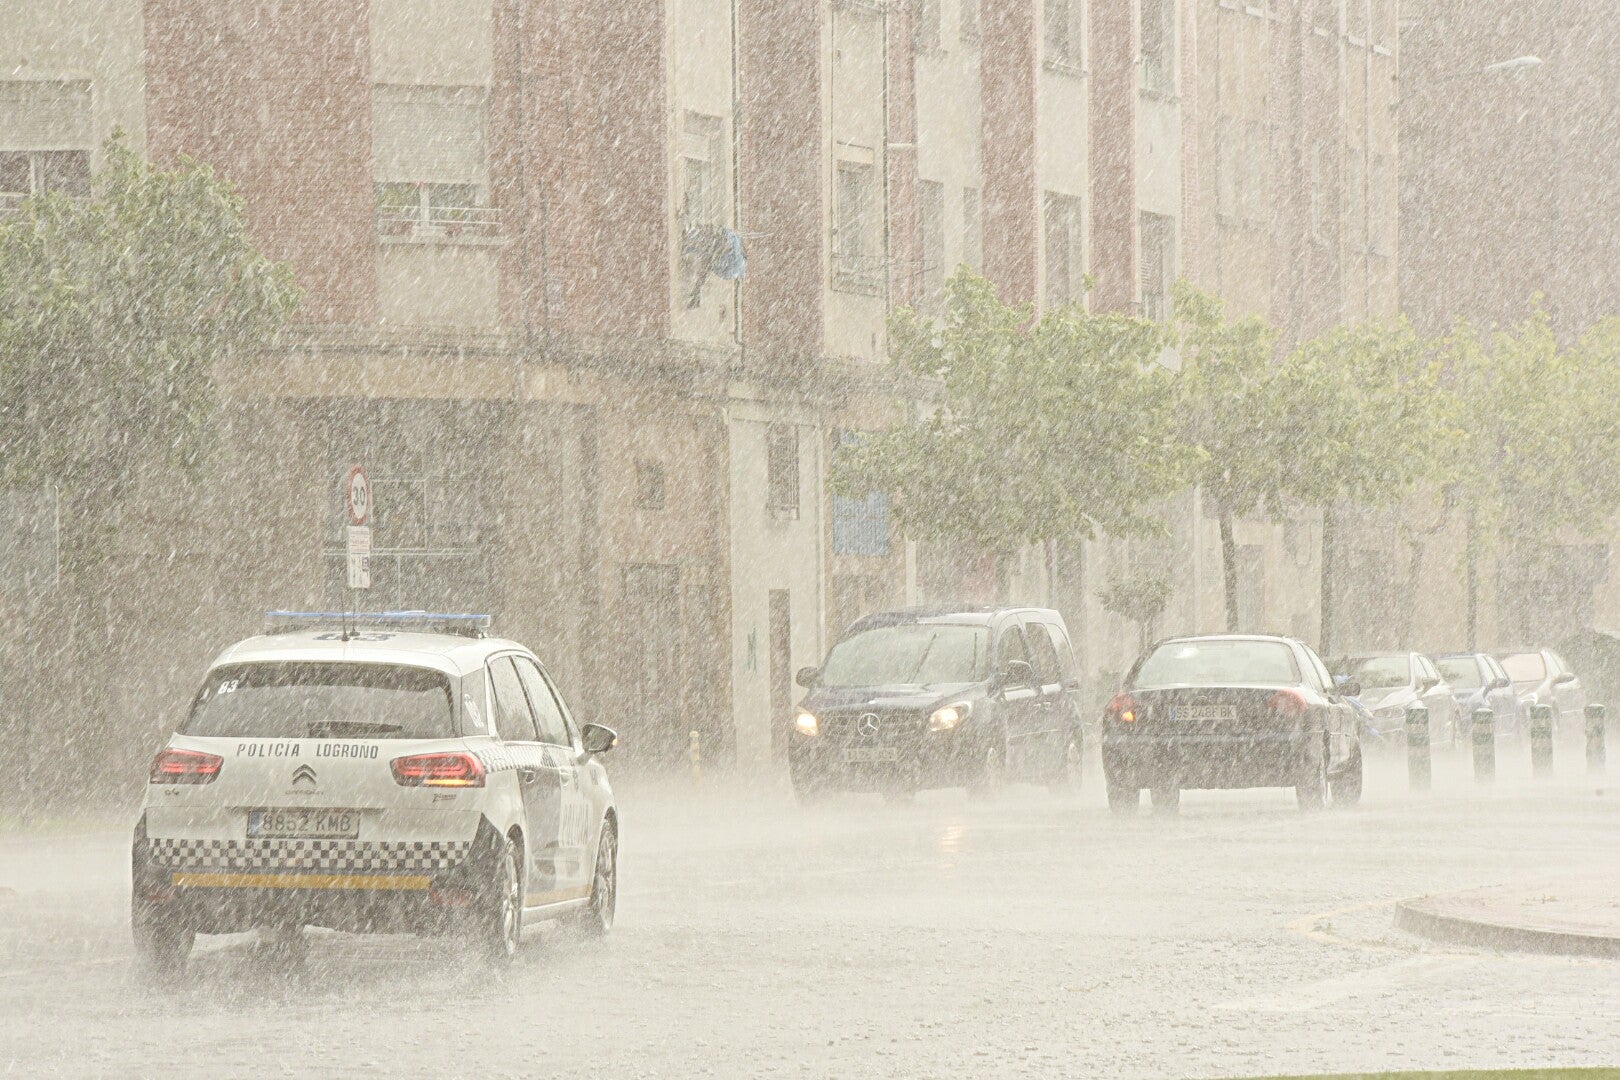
1378 429
1049 429
1140 597
1539 437
1236 409
115 310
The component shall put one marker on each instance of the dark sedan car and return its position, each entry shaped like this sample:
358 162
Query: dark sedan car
1231 711
940 698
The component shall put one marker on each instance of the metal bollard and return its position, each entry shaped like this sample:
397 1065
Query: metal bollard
1541 740
1596 734
695 753
1484 746
1417 747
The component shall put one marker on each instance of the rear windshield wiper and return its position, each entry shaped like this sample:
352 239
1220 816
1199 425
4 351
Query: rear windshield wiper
325 729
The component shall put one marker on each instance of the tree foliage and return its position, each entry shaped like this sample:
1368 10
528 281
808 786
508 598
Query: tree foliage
1049 429
114 311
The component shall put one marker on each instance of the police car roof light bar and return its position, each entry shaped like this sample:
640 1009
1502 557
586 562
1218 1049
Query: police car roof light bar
422 622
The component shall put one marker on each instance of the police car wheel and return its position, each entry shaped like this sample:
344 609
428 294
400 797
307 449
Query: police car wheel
162 940
597 917
495 922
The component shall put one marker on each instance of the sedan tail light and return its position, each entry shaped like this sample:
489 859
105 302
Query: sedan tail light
1122 708
185 767
1289 704
439 770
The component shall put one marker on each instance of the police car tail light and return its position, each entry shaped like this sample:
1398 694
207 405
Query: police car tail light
185 767
439 770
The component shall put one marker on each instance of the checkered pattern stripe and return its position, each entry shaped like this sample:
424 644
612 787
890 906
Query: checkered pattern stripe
311 856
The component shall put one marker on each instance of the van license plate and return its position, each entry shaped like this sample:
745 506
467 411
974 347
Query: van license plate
864 754
303 823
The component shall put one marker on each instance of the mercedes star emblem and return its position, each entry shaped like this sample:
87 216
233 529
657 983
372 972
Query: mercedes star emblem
868 724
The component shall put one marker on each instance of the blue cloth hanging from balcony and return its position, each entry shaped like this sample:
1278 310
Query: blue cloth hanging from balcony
733 265
711 249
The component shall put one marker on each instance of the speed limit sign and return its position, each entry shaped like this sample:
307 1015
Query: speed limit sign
358 496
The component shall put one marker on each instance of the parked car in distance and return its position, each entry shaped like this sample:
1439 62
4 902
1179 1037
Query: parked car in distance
1391 682
1542 677
943 697
1478 681
1231 711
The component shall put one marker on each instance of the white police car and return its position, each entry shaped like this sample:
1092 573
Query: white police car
387 773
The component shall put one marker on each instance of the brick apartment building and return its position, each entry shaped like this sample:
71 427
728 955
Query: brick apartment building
507 219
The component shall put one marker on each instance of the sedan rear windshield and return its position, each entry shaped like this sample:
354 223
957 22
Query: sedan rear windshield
1461 672
323 701
1525 667
910 654
1218 663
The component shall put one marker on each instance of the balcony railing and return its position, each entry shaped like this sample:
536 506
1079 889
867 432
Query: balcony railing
439 222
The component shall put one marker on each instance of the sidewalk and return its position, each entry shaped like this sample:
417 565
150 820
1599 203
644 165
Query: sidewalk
1570 917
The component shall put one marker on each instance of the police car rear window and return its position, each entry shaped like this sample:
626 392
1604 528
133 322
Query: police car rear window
323 701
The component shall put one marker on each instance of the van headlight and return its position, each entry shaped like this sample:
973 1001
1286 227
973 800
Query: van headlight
947 717
806 723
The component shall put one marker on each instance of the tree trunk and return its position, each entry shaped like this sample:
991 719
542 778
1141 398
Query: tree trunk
1229 569
1330 574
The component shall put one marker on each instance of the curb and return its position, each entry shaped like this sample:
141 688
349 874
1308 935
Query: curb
1421 917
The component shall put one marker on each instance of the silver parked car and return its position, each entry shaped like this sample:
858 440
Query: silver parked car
1392 682
1542 677
1478 681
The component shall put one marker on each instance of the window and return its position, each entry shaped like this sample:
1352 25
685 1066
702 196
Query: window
1228 167
649 485
430 160
972 229
24 174
1010 647
1318 192
925 31
1355 199
856 243
1158 266
703 174
548 716
1043 656
1254 198
513 721
931 225
1158 47
859 526
1064 34
916 653
782 471
1381 205
970 20
322 701
45 139
1217 663
1319 670
1065 251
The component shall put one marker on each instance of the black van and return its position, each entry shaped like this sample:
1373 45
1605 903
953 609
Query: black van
944 697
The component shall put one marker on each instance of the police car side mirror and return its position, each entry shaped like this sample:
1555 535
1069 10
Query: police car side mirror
597 739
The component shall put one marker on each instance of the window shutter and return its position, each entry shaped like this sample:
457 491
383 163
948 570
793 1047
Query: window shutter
429 134
45 115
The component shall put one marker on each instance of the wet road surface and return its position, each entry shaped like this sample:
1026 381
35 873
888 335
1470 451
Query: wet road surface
1026 936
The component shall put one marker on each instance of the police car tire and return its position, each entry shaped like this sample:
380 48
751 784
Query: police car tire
494 924
595 919
162 941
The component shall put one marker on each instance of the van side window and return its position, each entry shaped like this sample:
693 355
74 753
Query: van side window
1010 647
1043 655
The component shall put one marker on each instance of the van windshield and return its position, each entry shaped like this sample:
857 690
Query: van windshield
322 701
910 654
